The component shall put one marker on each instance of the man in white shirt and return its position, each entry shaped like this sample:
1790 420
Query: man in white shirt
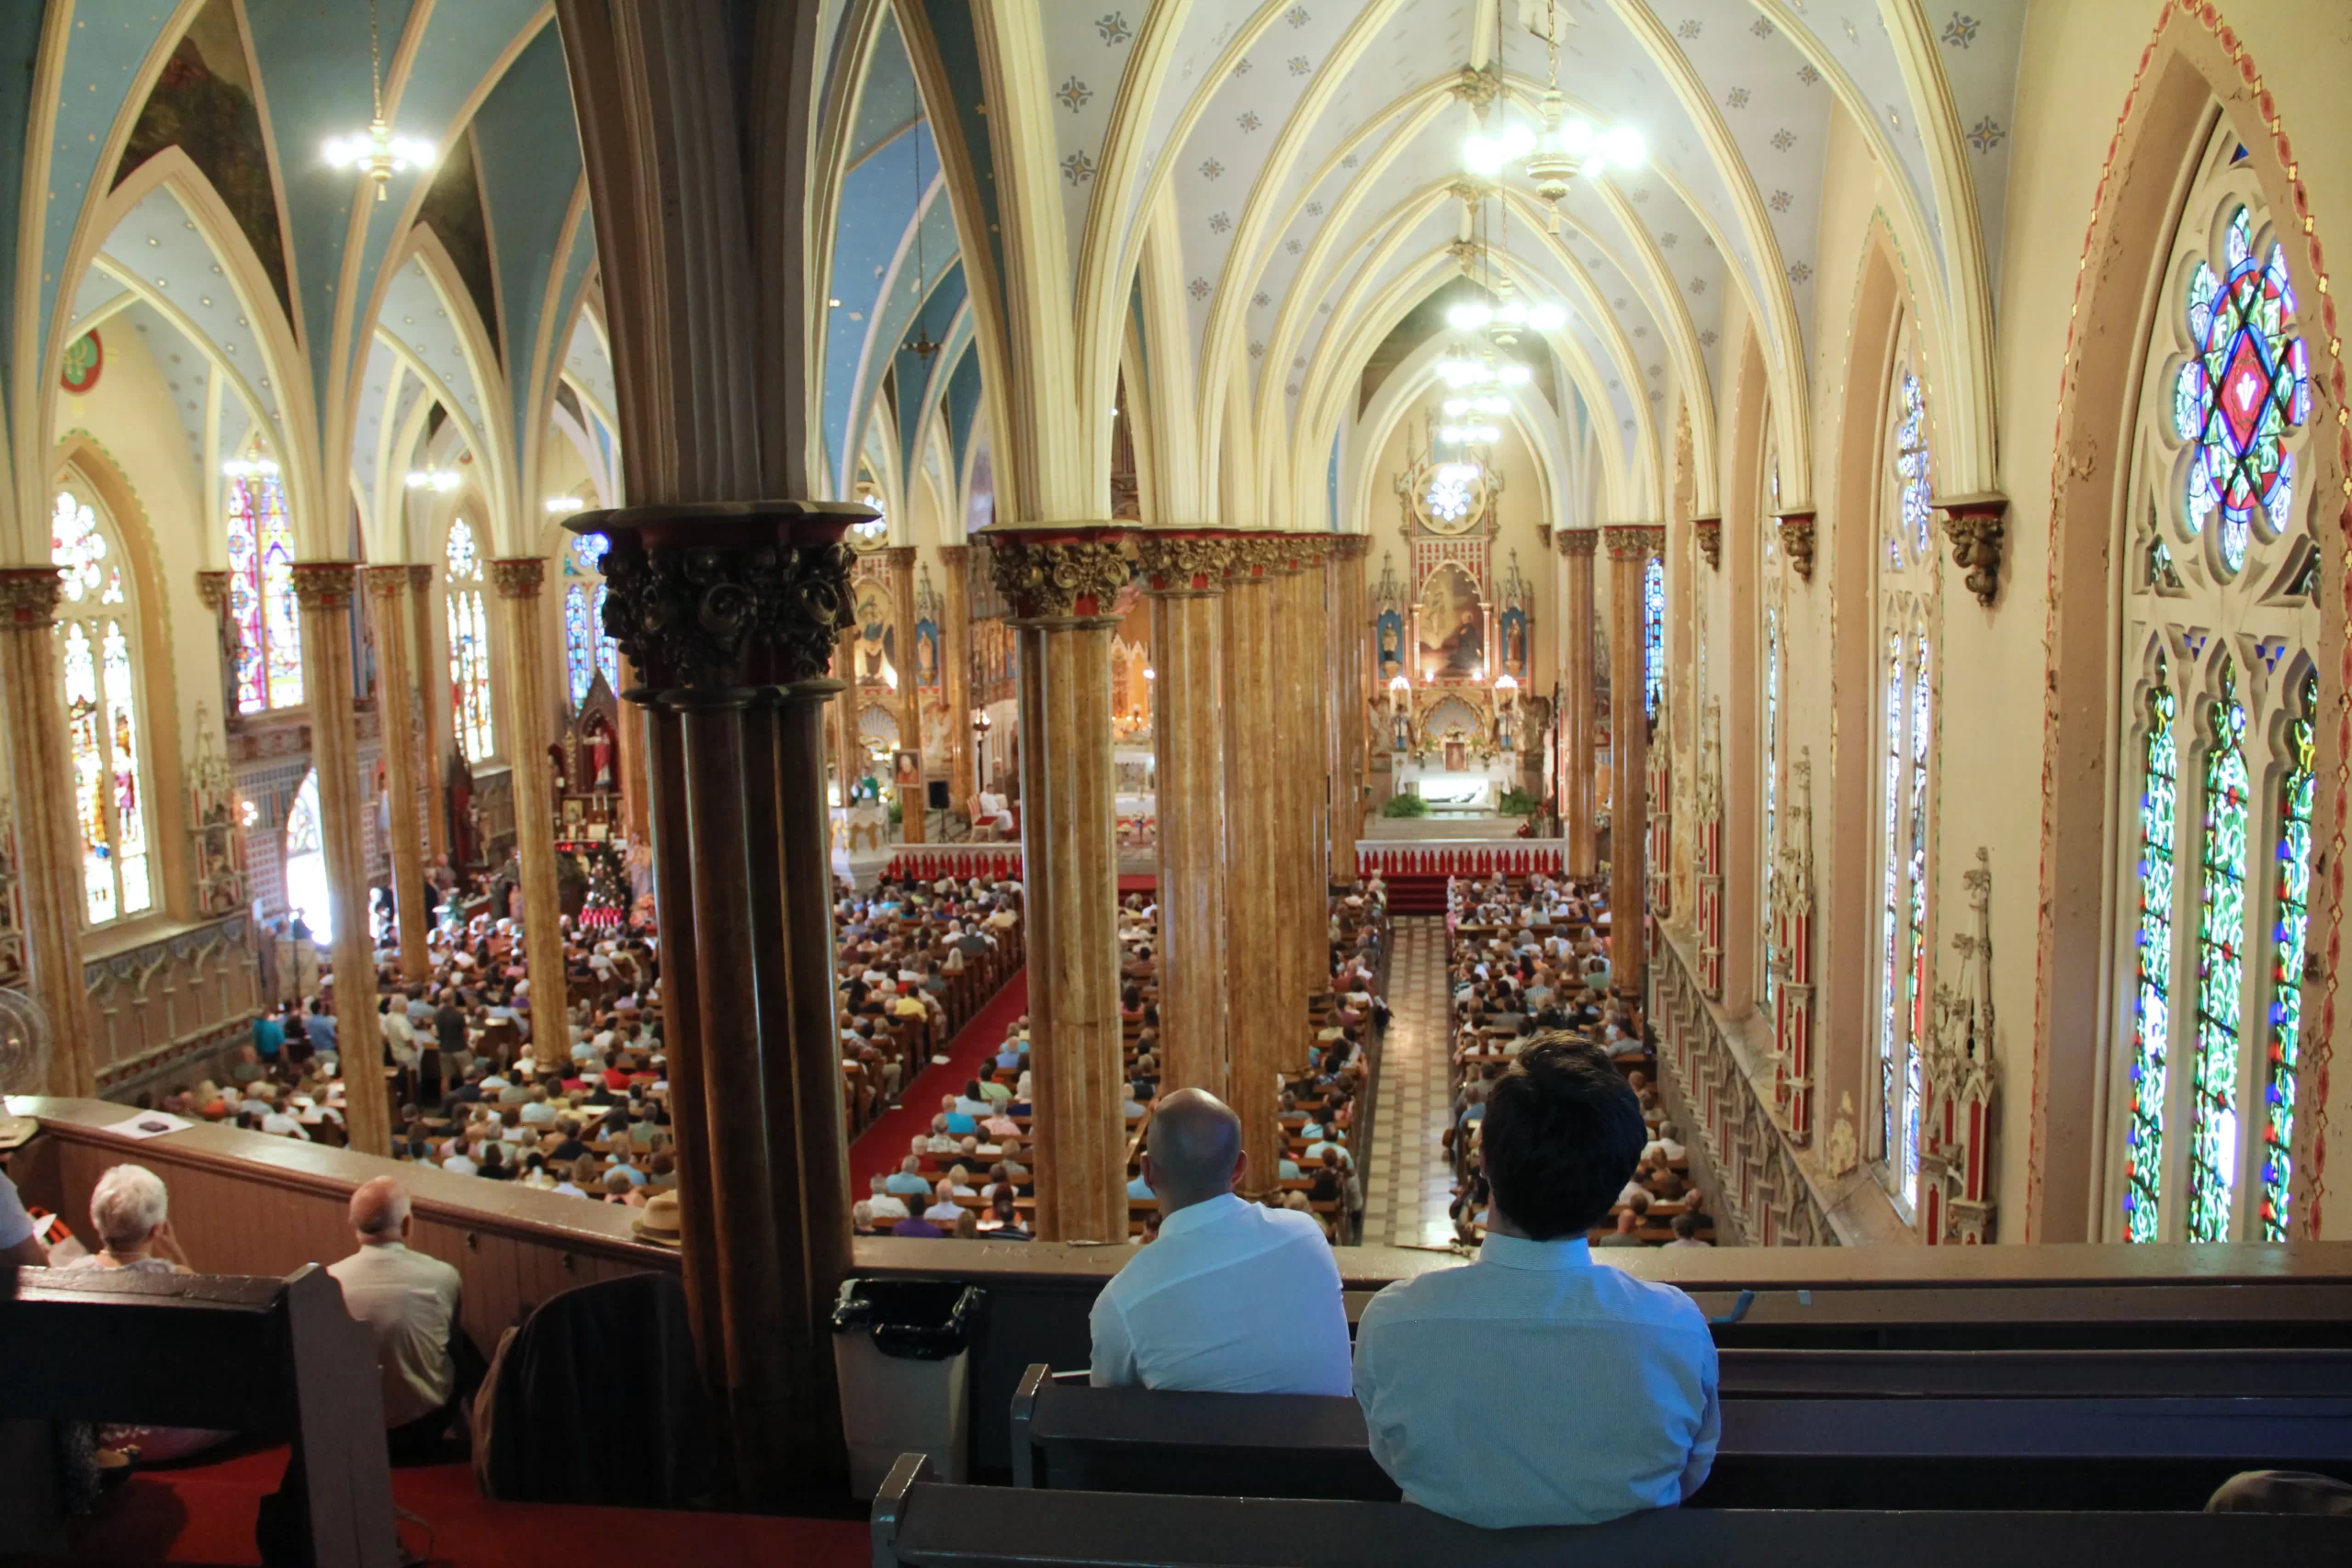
1538 1387
409 1303
1233 1298
886 1206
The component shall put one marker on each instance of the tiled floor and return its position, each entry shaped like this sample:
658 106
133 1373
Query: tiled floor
1411 1183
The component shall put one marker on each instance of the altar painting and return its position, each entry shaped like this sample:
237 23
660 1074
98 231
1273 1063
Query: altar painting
1451 627
926 653
877 636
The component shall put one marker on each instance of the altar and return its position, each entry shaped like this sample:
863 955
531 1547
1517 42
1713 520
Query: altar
1468 786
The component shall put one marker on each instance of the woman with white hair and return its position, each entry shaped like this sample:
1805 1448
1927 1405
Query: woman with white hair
131 1211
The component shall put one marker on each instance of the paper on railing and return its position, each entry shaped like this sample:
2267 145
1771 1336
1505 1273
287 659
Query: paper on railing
147 1124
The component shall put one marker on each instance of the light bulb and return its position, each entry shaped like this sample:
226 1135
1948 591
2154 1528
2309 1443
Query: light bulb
1623 146
1518 141
1513 314
1575 138
1547 317
1493 403
1456 407
1515 375
1468 316
1482 155
559 504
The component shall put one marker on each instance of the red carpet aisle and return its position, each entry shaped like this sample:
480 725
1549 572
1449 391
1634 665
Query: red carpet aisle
205 1514
880 1147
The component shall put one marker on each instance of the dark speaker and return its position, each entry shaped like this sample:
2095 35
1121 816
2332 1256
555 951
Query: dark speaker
938 794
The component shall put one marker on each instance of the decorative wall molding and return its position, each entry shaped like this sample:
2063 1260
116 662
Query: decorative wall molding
1962 1085
1792 958
1710 806
1975 527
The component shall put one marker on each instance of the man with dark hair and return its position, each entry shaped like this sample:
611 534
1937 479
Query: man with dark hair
1537 1387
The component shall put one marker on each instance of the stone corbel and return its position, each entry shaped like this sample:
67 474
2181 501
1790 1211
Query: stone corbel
1796 540
1974 524
1711 538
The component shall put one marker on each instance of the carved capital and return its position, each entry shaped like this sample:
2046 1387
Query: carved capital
1976 525
1350 547
1182 562
212 587
29 595
1711 538
1634 541
1477 87
420 578
384 584
1796 540
1052 574
518 577
715 600
326 584
1578 543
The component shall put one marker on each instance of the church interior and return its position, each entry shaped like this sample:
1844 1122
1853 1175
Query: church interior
747 645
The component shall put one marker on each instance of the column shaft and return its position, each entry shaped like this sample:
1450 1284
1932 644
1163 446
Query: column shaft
396 661
1348 624
1253 944
956 672
1184 574
902 602
428 759
1060 583
1579 721
1630 550
530 688
324 589
48 858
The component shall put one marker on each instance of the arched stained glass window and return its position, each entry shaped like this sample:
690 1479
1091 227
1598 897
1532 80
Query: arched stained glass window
2294 873
469 646
1917 526
1769 962
306 863
97 631
1653 636
586 650
2152 943
261 589
2212 918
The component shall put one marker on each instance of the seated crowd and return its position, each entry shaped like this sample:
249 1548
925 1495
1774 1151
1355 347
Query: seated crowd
1531 957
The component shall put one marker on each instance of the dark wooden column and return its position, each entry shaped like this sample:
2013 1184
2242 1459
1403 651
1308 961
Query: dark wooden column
1631 546
729 613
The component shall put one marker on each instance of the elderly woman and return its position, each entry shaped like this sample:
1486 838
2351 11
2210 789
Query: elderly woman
130 1211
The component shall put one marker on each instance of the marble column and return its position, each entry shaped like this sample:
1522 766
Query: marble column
430 679
1255 999
1303 792
1060 583
1183 572
325 589
1631 547
530 690
902 604
49 849
1350 623
732 612
396 662
956 672
1580 718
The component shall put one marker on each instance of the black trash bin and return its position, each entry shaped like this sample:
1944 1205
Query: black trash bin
901 1349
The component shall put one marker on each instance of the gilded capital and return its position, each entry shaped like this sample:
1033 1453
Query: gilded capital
1057 577
518 577
29 595
1578 543
384 583
1634 541
1976 525
1709 534
326 584
1183 563
1796 540
420 578
212 587
1350 547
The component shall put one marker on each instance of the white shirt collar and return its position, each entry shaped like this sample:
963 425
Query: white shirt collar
1207 1212
1536 1257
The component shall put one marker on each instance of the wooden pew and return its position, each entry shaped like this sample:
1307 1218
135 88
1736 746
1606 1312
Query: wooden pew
919 1523
272 1358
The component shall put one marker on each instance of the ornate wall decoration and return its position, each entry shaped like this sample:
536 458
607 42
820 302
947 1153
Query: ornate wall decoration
1515 626
1709 804
1792 955
929 613
1975 525
1962 1085
216 858
1709 532
1390 607
1796 540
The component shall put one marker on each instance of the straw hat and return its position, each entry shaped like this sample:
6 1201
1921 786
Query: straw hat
657 1223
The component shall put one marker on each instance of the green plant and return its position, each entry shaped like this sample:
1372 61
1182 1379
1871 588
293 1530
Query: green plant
1405 805
1517 803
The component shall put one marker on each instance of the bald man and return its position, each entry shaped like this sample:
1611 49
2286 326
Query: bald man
409 1303
1234 1297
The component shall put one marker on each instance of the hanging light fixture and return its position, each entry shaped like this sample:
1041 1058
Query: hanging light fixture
1565 144
922 347
376 153
439 480
248 468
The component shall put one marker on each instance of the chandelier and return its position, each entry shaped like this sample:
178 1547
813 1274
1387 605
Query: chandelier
1563 146
439 480
376 152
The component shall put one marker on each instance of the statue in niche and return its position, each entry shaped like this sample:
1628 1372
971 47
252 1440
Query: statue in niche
1457 751
1390 635
1453 626
1401 728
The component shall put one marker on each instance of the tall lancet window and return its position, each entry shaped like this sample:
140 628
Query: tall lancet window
261 586
587 651
1906 743
1771 678
97 645
2219 711
1653 636
469 646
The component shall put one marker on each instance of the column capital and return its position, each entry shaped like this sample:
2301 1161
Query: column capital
1709 532
1350 547
899 556
1184 560
385 582
212 587
1975 524
1058 571
1796 539
326 584
1578 543
420 577
29 595
721 597
518 577
1256 554
955 555
1634 541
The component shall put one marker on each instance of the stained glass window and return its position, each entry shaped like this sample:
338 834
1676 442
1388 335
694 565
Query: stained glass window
306 864
1890 976
2288 937
2246 385
1915 532
1653 636
586 649
1919 976
468 645
579 643
94 633
2151 1005
261 595
1771 792
2220 968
